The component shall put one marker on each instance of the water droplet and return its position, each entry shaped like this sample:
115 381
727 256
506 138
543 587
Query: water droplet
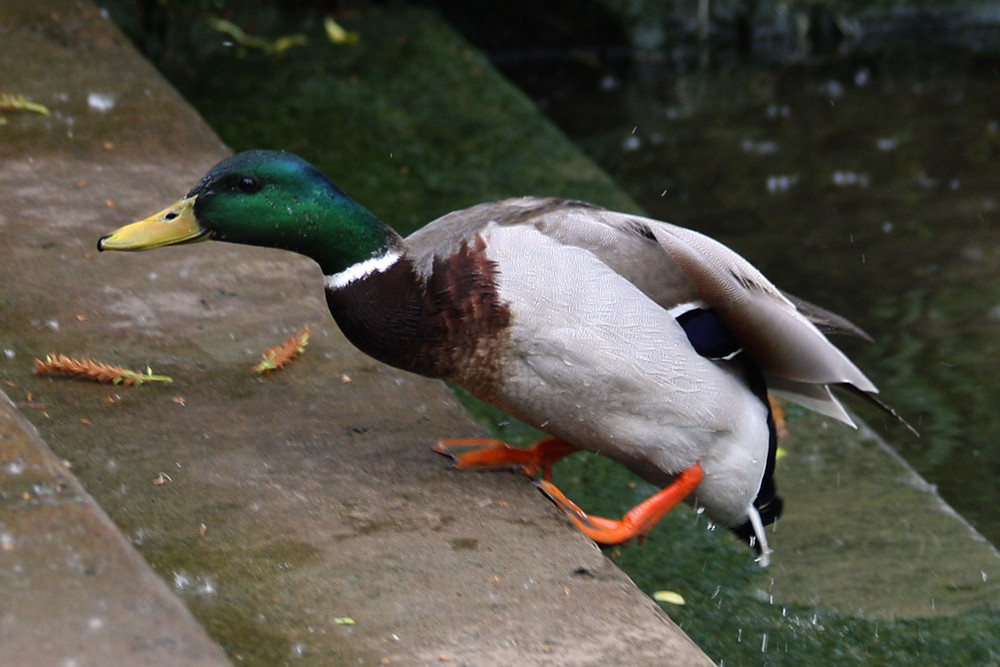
781 183
181 581
205 586
632 143
101 102
848 178
778 111
832 89
197 585
886 144
764 147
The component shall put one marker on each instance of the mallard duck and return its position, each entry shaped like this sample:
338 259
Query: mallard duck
636 339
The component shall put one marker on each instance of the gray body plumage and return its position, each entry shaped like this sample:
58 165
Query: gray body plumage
595 355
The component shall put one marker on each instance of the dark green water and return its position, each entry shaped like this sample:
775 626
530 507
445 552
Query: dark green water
879 206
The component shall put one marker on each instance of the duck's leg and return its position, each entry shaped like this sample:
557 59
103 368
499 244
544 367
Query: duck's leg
487 454
778 414
639 520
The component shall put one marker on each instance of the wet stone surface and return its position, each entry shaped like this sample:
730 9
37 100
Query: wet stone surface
74 590
299 516
884 542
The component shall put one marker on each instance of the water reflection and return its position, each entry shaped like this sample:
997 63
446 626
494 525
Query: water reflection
871 192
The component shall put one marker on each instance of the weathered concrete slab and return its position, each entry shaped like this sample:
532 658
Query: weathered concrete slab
74 590
301 515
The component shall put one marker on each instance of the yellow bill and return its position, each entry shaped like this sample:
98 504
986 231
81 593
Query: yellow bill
175 224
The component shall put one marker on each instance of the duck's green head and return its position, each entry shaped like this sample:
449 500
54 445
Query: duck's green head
265 198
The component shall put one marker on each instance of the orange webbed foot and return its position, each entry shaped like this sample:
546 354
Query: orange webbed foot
487 454
639 520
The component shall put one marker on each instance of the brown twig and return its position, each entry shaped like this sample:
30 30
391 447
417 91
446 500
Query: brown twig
279 356
95 371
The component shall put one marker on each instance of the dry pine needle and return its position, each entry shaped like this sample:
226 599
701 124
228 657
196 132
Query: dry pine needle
279 356
95 371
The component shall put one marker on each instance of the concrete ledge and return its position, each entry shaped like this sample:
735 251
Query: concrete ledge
74 590
303 515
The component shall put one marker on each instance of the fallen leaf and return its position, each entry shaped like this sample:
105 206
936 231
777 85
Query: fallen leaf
670 597
88 369
279 356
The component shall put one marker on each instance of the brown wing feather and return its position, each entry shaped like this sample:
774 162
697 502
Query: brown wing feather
828 321
672 266
768 325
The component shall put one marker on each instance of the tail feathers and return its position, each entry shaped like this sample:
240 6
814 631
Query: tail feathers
873 400
815 397
828 321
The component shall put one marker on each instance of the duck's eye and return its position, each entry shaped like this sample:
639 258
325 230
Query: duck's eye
248 185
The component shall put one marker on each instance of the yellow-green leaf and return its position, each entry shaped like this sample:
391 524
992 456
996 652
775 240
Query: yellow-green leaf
336 33
670 597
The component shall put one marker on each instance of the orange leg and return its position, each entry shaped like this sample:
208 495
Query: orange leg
778 413
639 520
486 454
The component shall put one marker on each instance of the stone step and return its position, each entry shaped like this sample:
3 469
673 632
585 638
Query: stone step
299 516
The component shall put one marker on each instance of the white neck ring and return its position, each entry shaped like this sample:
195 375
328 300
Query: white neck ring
361 270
